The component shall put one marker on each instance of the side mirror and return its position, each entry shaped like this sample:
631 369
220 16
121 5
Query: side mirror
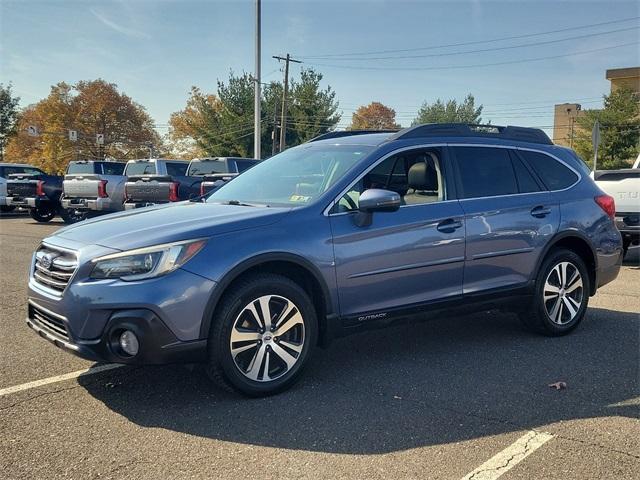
375 200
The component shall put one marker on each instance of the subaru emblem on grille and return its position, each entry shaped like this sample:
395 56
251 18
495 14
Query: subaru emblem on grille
46 261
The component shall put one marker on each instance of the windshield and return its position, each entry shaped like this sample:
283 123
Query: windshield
295 177
84 167
140 168
207 167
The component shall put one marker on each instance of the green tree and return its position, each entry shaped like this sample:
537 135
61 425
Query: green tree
619 130
450 112
8 116
222 124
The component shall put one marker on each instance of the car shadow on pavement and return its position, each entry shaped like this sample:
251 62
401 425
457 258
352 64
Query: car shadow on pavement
413 385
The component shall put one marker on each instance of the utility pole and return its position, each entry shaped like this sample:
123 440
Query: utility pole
283 117
274 132
257 95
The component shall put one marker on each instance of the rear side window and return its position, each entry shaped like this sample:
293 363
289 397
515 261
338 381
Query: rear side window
485 172
554 174
140 168
113 168
177 169
526 182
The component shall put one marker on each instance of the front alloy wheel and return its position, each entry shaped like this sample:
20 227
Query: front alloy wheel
563 293
262 334
267 338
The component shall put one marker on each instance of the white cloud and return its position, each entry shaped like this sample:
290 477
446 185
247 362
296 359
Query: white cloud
130 32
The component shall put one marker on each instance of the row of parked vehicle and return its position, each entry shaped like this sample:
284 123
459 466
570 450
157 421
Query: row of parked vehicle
90 187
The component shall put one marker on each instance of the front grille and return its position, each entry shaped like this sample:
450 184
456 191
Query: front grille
54 268
45 319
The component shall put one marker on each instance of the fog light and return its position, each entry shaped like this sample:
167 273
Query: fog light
129 342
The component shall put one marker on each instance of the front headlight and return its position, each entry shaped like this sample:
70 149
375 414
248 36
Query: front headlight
146 262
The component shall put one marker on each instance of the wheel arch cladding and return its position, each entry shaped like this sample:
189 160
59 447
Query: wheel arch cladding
291 266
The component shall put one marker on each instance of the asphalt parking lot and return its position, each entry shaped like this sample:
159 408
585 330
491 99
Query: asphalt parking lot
453 398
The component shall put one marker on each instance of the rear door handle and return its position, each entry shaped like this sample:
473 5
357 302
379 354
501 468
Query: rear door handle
449 225
540 211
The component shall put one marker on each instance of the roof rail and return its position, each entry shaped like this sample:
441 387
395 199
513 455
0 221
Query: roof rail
522 134
347 133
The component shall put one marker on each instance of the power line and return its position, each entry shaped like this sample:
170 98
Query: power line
493 49
478 65
476 42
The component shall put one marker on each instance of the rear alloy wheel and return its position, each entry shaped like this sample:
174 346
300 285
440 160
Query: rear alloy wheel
561 294
262 335
42 214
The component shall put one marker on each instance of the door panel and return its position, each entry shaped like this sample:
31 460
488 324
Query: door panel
505 236
406 257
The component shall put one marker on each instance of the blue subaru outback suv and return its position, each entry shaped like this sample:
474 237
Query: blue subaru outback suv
345 232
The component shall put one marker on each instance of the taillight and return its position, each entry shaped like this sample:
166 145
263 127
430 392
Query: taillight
202 192
608 204
40 188
102 189
173 191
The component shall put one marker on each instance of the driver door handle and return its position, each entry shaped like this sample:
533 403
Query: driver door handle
449 225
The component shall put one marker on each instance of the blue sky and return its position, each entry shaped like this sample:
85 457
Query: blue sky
156 50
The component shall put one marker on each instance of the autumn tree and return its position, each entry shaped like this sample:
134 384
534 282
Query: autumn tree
374 116
620 130
8 116
449 112
89 107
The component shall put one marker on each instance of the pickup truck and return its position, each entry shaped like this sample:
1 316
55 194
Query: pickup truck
7 169
40 193
216 171
157 180
94 186
624 186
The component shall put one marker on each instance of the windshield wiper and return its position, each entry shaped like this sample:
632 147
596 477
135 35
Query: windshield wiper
243 204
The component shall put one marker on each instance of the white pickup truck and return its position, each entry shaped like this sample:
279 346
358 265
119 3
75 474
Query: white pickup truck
624 186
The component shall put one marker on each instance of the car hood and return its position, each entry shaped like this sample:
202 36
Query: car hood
168 223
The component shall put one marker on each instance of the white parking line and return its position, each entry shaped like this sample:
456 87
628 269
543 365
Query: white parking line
508 458
58 378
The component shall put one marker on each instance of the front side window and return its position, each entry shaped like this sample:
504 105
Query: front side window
485 172
415 175
295 177
554 174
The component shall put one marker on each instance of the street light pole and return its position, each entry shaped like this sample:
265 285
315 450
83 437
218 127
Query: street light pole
257 95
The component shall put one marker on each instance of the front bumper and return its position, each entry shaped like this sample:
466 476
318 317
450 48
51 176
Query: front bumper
87 319
94 204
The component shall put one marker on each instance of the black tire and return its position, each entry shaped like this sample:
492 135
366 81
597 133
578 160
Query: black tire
221 365
626 243
71 216
42 214
537 317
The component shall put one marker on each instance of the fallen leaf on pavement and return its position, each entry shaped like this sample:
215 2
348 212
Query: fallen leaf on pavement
558 385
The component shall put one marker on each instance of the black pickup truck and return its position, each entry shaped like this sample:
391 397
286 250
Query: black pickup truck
40 193
154 181
216 171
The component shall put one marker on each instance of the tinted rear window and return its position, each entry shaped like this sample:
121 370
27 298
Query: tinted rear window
554 174
207 167
140 168
82 168
485 172
113 168
6 171
243 165
177 169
